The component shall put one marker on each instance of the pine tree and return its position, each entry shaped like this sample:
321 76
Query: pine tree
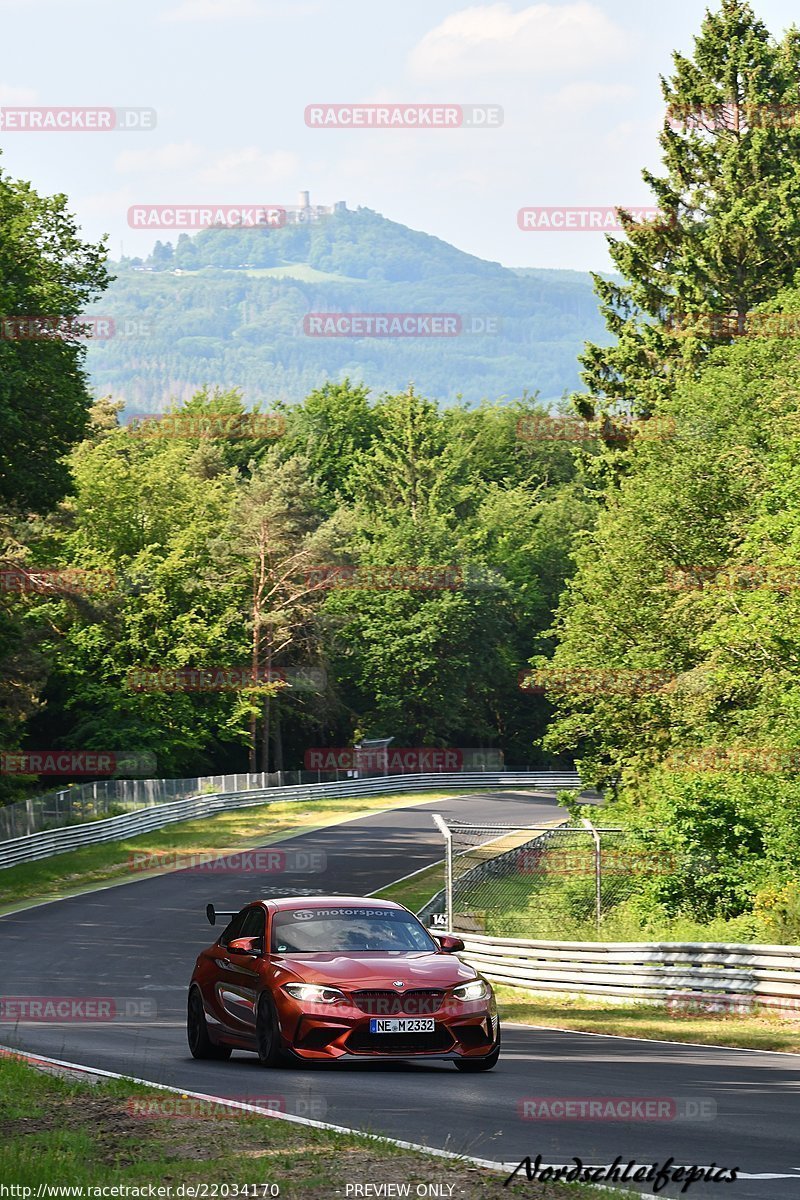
728 237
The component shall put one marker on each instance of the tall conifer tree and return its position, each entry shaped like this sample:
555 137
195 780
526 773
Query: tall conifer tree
729 234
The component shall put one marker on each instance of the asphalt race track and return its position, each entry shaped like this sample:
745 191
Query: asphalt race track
139 940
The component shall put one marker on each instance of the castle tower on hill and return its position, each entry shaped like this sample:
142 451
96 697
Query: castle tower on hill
305 212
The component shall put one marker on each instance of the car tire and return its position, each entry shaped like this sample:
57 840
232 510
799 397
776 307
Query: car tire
200 1043
268 1038
480 1064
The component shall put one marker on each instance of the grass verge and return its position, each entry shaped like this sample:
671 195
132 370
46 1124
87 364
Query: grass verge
58 1131
762 1030
241 828
417 890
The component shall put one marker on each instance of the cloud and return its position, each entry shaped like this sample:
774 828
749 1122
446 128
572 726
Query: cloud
493 38
106 206
576 97
213 10
247 166
16 95
237 10
252 167
175 156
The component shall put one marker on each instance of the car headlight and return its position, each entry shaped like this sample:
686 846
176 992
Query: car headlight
314 993
477 990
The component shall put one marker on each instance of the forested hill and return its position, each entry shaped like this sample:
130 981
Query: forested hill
229 306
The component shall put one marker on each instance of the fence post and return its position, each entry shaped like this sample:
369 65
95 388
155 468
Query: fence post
441 825
598 877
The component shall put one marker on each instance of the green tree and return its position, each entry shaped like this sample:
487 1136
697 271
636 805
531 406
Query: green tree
268 551
729 233
440 664
333 425
46 272
47 278
693 571
145 512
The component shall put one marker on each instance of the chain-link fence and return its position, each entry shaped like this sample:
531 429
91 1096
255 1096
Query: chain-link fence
541 882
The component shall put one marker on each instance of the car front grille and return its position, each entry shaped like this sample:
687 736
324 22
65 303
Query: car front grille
361 1041
418 1003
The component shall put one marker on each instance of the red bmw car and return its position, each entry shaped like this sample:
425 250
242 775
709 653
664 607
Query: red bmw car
338 978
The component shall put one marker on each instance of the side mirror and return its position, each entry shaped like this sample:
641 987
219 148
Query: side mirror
245 945
449 943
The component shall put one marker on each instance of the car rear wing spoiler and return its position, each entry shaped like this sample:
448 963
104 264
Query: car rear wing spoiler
212 914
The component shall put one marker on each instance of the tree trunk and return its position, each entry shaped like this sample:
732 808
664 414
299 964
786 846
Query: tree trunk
265 729
253 716
277 738
265 734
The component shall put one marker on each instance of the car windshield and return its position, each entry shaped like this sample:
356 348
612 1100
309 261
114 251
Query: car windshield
327 930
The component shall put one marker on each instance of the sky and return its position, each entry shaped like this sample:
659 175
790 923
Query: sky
230 82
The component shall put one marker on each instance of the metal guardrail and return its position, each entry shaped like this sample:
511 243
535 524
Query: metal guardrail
58 841
687 975
83 802
111 797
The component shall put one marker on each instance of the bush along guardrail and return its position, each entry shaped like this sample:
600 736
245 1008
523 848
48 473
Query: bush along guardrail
59 841
689 977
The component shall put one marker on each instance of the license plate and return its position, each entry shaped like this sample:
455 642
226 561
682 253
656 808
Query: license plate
402 1025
